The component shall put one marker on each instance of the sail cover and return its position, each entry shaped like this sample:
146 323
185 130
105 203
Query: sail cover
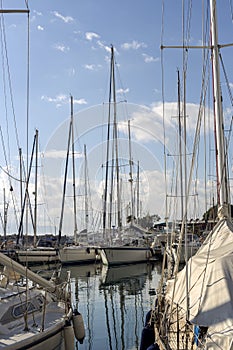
210 283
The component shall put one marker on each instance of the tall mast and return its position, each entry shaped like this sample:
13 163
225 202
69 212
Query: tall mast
65 180
73 168
107 155
131 175
218 111
138 201
85 187
112 98
115 140
180 150
35 194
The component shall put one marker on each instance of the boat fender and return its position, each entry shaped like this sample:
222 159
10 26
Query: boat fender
88 250
78 324
147 337
153 347
148 317
69 336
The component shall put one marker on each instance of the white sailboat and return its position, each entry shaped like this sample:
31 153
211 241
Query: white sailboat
35 315
196 309
76 253
128 245
34 254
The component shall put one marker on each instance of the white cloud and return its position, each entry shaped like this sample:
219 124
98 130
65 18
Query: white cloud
62 99
135 45
122 91
66 19
90 35
149 59
92 67
80 101
61 154
37 13
40 28
61 47
105 47
59 100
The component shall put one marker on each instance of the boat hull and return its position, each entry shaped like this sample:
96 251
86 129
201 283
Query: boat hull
37 256
78 255
124 255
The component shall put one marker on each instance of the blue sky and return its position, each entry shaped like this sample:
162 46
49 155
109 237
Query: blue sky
69 54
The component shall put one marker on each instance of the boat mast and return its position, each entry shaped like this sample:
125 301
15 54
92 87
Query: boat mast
35 194
107 156
131 175
112 95
115 140
138 201
85 188
64 184
180 149
222 182
73 168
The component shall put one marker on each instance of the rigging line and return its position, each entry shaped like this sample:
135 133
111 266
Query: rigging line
231 99
11 176
9 81
226 78
3 40
3 145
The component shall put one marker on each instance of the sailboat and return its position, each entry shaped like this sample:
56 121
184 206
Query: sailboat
128 245
194 308
35 315
76 253
36 253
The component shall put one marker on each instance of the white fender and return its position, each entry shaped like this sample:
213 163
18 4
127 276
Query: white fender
69 336
78 324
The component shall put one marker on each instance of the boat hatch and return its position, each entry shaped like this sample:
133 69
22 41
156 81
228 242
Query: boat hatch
16 311
19 310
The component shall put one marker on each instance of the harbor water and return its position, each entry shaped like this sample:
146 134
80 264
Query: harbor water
113 302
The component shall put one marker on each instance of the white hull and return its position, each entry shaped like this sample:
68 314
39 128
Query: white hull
49 339
37 256
124 255
78 255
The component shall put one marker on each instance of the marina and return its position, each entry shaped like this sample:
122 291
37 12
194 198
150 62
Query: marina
117 234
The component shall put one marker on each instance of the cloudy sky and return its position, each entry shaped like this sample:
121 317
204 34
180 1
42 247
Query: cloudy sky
66 51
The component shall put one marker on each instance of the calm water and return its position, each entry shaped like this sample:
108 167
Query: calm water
113 302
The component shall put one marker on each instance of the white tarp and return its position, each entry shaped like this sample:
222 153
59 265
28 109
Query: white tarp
210 286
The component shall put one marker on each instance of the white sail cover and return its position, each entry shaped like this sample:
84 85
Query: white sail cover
210 285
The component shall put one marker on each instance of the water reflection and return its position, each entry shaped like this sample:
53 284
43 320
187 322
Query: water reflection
113 302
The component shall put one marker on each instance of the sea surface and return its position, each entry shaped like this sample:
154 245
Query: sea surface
113 302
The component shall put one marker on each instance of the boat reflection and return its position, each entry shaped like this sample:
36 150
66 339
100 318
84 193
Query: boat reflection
133 275
81 272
